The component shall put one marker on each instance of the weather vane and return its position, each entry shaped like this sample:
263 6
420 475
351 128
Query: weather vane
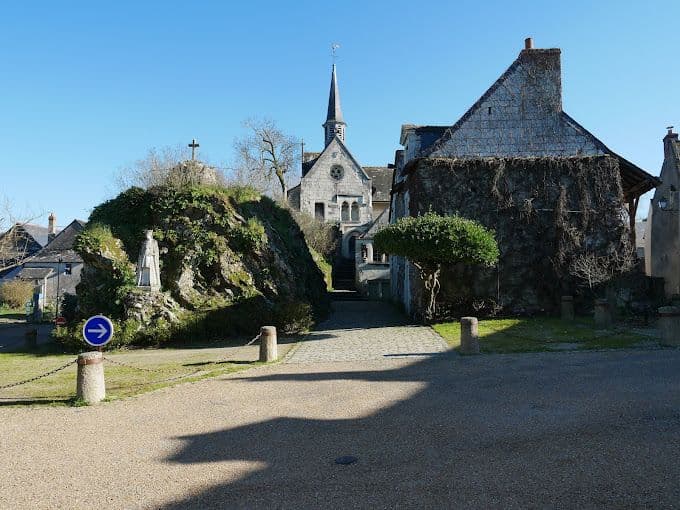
334 49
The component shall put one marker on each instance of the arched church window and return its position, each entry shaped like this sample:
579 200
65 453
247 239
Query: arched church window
344 212
355 212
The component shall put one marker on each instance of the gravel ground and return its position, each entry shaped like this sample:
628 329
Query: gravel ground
555 430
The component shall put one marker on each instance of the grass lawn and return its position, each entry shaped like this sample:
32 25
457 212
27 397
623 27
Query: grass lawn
170 367
12 313
542 334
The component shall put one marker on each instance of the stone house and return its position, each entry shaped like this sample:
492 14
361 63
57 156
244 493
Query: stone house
23 240
516 162
372 275
336 188
55 269
662 243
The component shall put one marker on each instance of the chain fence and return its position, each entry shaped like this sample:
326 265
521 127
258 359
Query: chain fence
122 364
46 374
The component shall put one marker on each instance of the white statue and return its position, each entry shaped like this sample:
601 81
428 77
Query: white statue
148 264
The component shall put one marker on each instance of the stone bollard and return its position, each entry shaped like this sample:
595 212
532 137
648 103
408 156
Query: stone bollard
31 338
90 386
469 339
567 309
603 316
669 325
268 350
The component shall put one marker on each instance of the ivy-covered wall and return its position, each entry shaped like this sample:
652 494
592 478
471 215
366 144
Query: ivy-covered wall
548 213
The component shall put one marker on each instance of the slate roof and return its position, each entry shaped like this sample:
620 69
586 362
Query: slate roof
61 246
381 177
334 110
37 232
428 134
34 273
378 224
21 241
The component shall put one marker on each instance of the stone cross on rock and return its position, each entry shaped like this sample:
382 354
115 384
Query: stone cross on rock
193 146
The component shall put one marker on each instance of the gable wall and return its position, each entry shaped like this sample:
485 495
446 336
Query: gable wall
661 257
319 186
526 116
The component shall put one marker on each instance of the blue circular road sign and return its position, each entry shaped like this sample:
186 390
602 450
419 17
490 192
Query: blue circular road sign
98 331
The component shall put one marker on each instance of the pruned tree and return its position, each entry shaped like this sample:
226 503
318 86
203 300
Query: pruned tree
265 156
430 240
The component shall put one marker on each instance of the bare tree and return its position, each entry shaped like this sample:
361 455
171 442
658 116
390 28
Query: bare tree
593 270
15 242
266 156
153 169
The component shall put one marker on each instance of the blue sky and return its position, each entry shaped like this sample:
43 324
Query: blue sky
89 87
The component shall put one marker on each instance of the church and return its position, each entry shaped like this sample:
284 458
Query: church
336 188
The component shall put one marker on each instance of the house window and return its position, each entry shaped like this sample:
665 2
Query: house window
68 268
355 212
319 212
344 212
379 257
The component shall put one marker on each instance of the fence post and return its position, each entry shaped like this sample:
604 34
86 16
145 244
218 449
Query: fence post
669 325
31 338
603 316
469 339
567 308
90 385
268 348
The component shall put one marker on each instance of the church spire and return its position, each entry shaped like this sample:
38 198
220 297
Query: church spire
335 124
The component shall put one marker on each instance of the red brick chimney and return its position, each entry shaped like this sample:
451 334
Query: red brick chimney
528 43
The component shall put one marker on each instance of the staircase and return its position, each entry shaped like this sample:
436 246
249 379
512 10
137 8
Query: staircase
343 281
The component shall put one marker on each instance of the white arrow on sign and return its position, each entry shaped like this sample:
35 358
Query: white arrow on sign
101 330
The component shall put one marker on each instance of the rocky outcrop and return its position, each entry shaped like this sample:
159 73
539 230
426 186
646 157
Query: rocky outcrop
226 253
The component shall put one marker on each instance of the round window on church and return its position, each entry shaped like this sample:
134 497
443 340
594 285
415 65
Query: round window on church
337 172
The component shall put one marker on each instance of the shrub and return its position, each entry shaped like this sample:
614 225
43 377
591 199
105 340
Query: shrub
321 236
430 240
69 307
17 293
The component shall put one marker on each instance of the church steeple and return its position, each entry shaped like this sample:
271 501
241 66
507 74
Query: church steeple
334 125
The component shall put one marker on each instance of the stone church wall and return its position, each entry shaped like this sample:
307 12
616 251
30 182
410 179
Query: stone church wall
546 212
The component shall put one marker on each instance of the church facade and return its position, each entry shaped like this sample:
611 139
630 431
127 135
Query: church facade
335 187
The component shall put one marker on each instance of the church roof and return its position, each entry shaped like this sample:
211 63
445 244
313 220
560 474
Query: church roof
334 110
381 177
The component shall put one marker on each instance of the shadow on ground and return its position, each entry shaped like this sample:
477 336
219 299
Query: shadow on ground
539 430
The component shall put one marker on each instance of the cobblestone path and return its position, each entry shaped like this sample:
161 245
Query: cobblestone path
366 330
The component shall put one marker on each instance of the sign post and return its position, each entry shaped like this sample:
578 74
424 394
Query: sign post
98 331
